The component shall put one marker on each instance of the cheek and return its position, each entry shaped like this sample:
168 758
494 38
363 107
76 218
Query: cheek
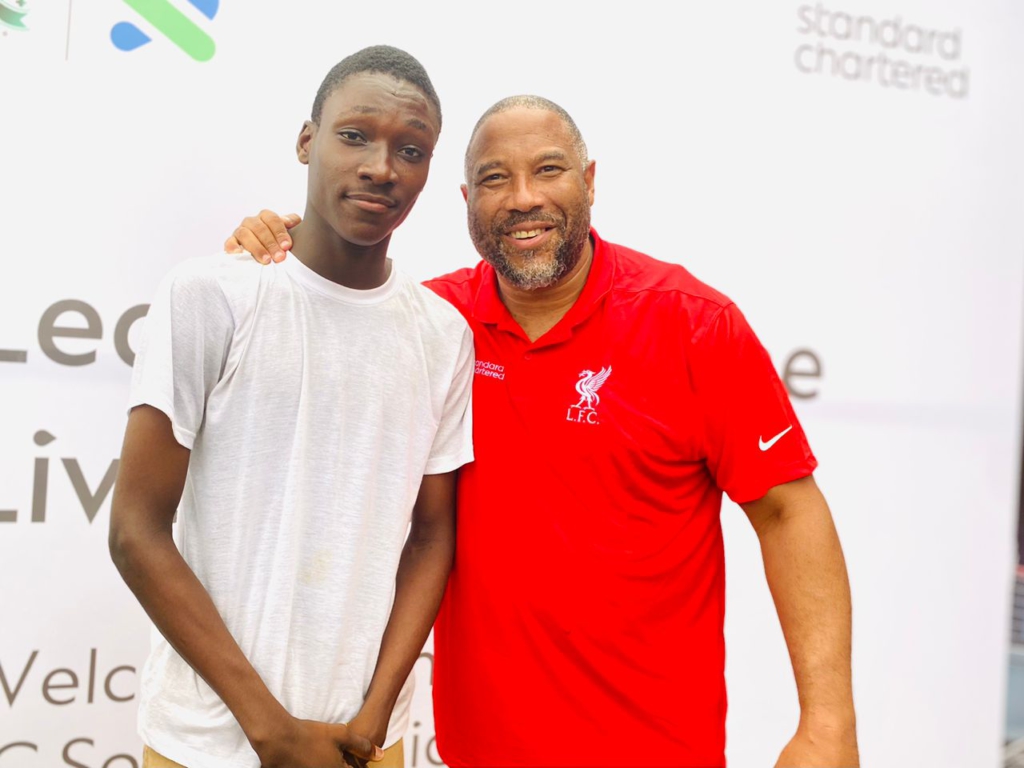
483 213
571 196
416 177
329 177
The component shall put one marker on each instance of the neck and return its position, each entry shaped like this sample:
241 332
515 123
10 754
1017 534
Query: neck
539 310
319 247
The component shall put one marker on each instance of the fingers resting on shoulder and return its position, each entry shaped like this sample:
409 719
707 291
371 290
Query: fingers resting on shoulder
264 236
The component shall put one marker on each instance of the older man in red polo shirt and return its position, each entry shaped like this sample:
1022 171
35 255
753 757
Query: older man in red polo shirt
616 399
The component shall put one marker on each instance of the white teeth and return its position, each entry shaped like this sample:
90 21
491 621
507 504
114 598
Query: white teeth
524 235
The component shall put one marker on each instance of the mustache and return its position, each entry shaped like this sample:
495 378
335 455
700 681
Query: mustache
520 218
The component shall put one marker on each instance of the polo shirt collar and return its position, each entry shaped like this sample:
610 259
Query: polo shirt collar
489 309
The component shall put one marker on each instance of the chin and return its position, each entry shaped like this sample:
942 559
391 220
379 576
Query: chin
365 242
363 236
528 274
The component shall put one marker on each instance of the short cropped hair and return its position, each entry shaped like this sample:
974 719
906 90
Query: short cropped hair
377 58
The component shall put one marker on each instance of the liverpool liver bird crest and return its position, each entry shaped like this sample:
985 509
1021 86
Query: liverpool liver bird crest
588 385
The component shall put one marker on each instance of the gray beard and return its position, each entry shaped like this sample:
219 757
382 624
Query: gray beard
533 270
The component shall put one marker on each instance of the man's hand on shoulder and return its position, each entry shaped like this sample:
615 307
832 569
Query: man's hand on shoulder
264 236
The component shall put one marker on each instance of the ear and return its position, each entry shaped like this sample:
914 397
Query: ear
588 177
305 139
465 193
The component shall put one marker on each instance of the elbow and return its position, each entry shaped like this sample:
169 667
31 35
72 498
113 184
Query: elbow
436 541
765 519
119 546
125 545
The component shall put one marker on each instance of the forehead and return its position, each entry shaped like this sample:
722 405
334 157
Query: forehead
520 134
380 95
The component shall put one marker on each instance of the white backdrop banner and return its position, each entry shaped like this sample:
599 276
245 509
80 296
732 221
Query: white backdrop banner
851 173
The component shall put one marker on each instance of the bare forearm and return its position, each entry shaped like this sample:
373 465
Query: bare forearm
183 611
806 573
419 586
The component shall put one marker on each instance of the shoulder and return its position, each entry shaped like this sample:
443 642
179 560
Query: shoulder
668 290
215 291
436 311
461 286
637 272
212 276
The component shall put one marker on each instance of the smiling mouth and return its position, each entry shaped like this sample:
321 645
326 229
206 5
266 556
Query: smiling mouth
526 234
526 231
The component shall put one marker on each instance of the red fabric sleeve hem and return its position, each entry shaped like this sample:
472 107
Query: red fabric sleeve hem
780 475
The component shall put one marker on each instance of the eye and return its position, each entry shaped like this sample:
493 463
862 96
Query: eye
550 170
412 153
352 136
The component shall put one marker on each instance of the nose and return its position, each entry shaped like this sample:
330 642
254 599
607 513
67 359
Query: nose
377 166
524 195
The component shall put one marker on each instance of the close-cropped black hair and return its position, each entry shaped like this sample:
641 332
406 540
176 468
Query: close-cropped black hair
377 58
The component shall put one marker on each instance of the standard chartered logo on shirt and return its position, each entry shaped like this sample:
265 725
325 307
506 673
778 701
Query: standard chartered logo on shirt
164 17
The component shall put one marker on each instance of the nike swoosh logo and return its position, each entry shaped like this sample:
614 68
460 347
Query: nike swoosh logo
764 446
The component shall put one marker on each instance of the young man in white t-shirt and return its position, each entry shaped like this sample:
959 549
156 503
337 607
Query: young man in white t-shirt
305 422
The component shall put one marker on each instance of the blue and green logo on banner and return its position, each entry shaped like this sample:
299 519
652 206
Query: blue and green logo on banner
12 14
171 23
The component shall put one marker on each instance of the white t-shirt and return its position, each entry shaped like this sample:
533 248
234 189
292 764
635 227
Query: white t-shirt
312 412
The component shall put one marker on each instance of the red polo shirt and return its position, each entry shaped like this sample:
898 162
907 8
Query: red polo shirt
582 625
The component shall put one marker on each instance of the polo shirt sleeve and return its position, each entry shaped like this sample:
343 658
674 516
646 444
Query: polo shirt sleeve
184 344
453 441
752 438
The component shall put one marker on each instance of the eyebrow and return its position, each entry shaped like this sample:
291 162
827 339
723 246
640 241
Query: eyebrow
412 122
482 169
552 155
